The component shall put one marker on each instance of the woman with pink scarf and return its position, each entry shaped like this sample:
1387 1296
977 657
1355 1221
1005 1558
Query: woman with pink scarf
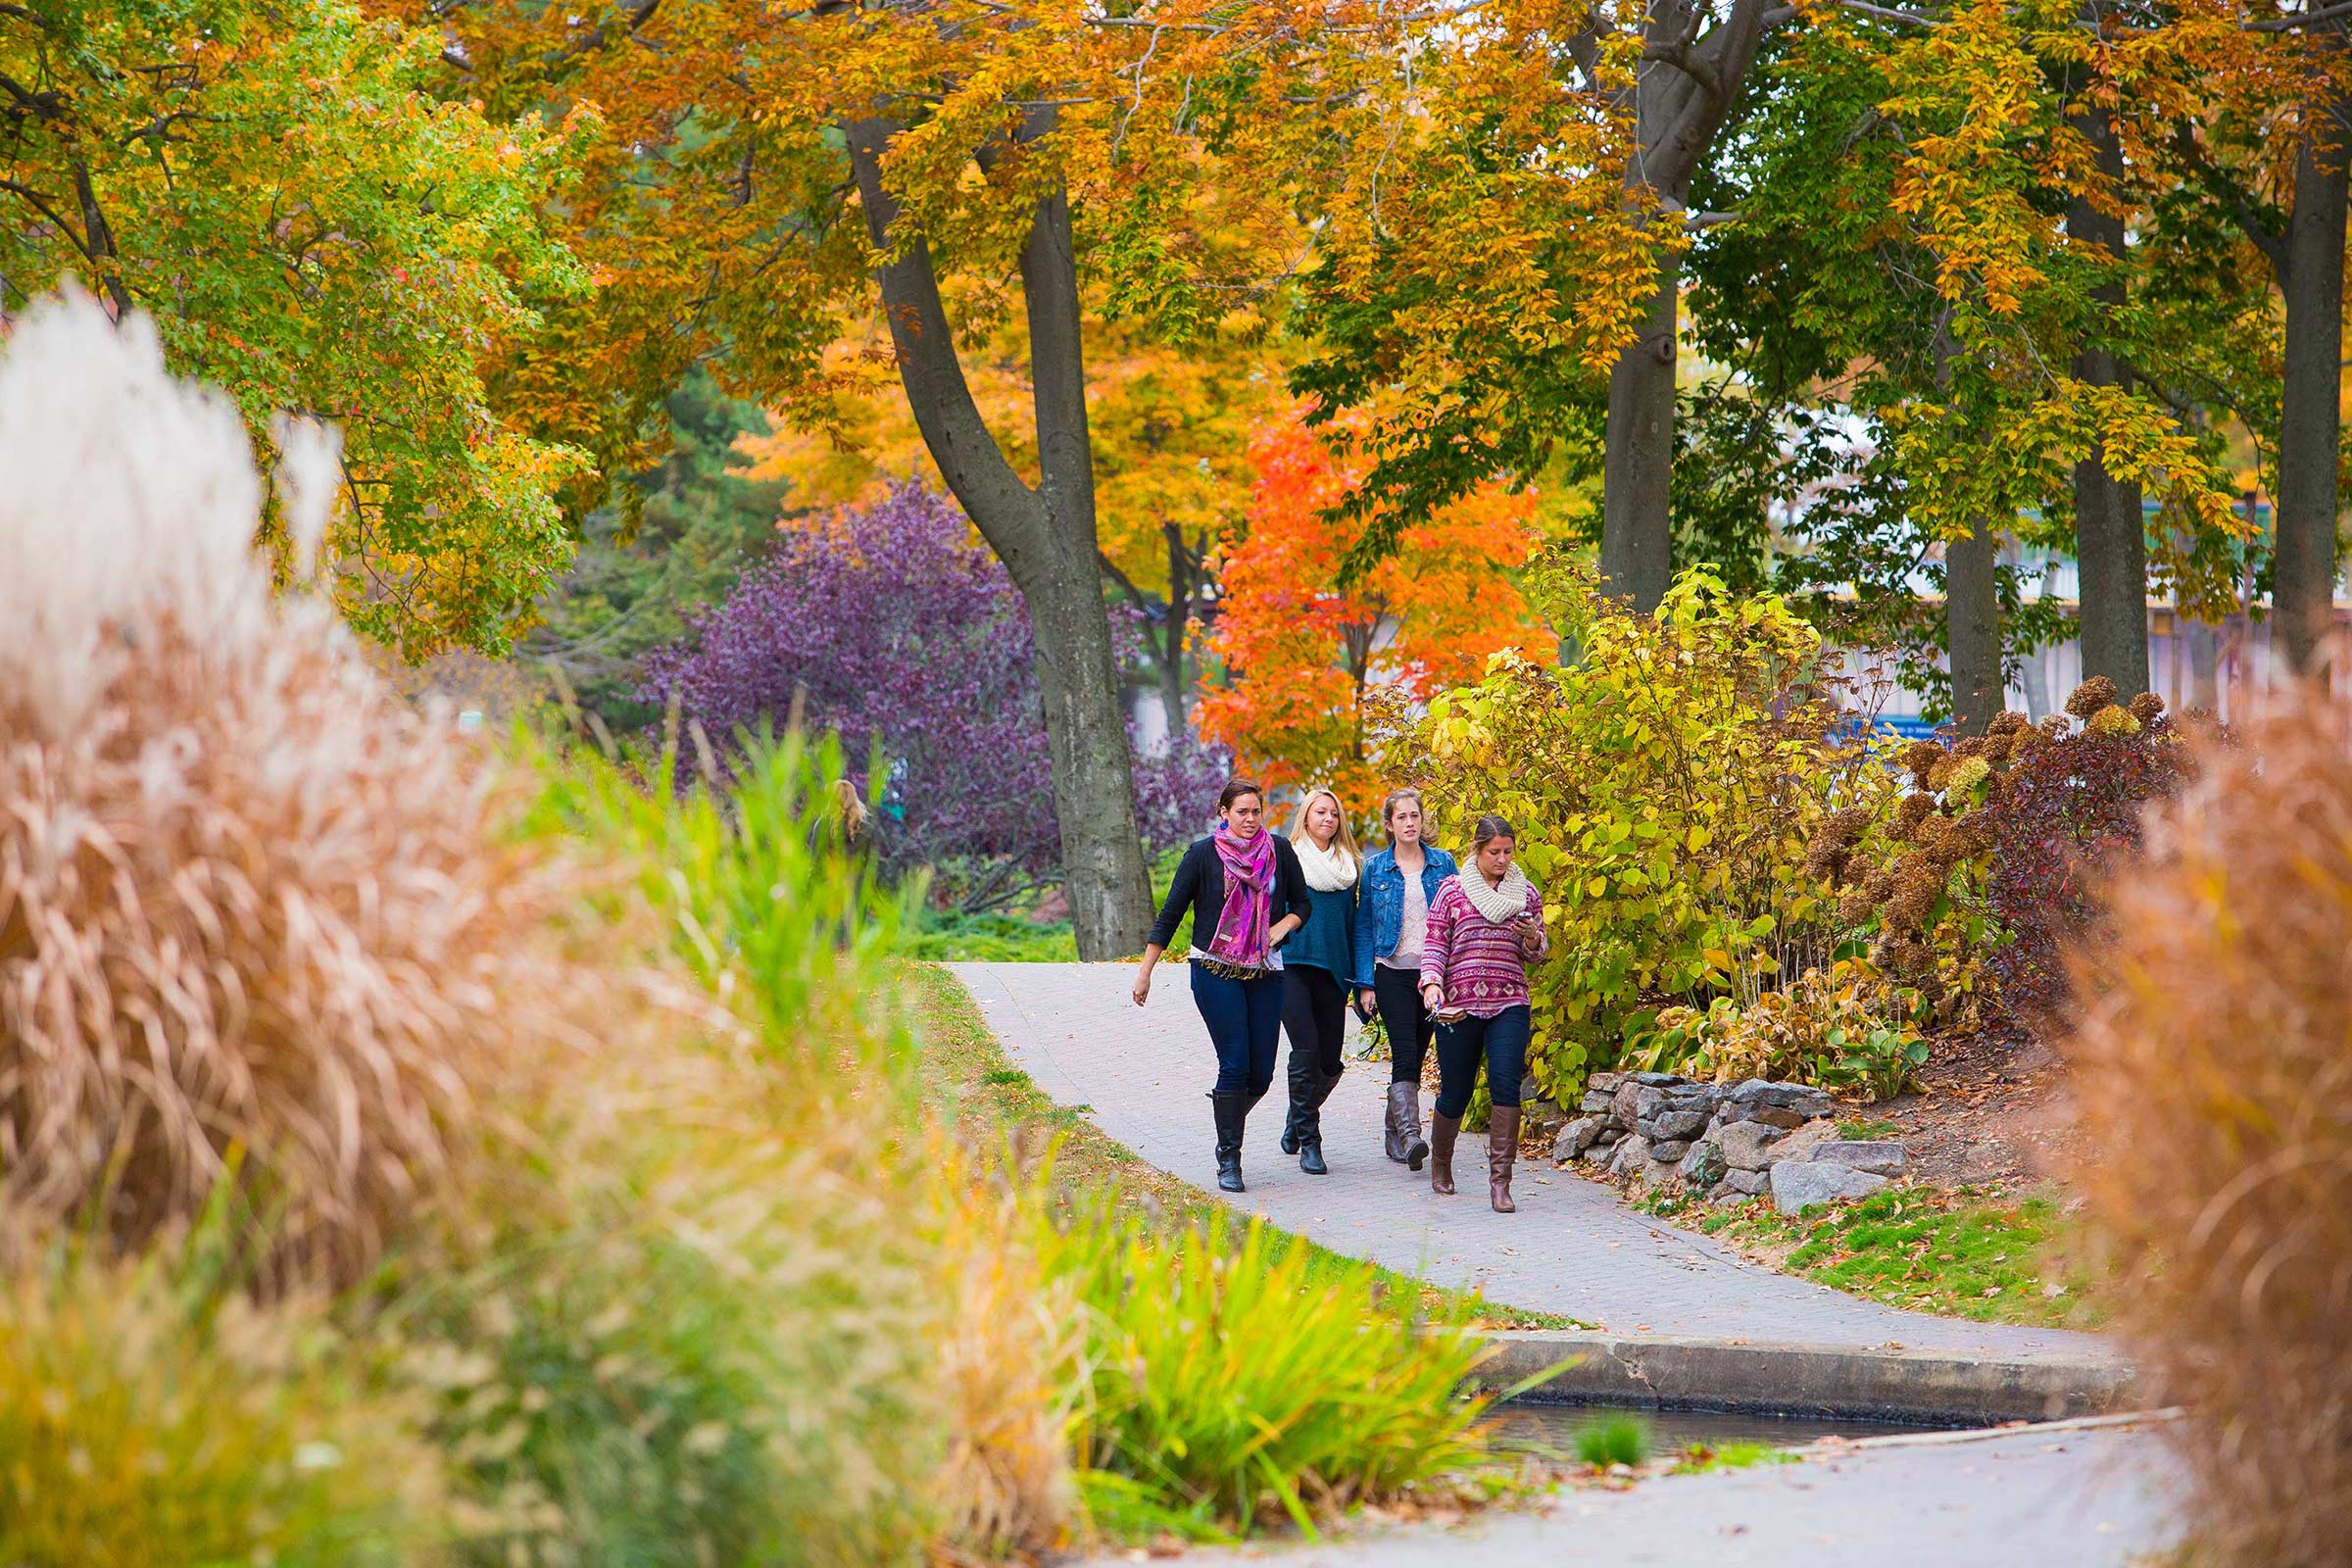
1246 890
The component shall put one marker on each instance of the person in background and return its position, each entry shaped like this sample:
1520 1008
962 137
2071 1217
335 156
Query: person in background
1244 888
1317 968
1392 925
1485 928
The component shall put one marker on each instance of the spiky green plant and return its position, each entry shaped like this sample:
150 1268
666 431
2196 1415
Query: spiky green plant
1614 1439
1228 1390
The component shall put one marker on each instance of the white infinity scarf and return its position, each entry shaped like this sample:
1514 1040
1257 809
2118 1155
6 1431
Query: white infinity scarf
1499 905
1327 870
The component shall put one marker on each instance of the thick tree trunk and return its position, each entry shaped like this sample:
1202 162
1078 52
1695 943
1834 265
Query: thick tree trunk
1973 627
2310 414
2111 544
1046 538
1109 891
1684 88
1637 528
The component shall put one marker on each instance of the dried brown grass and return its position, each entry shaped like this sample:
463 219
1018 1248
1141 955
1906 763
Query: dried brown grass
254 910
2216 1059
1007 1369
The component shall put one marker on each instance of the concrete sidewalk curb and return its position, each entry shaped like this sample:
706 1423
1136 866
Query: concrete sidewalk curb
1888 1384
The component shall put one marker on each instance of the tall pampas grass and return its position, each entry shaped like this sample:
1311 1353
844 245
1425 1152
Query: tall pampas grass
254 913
2216 1063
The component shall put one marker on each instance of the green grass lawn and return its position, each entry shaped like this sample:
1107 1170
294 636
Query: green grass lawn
1012 938
1994 1258
967 1075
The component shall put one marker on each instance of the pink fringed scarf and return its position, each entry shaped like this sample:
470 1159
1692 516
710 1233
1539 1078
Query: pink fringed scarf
1240 935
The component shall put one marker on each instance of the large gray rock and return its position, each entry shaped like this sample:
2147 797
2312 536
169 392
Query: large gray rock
1803 1097
1878 1156
1704 1165
1744 1144
1632 1154
1673 1124
1577 1137
1671 1151
1598 1100
1748 1181
1779 1116
1598 1153
1802 1184
1636 1104
1801 1144
1662 1173
1660 1080
1604 1083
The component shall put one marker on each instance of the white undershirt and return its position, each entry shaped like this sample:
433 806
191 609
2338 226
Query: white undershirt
1415 930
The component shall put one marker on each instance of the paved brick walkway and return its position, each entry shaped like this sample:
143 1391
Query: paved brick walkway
1572 1249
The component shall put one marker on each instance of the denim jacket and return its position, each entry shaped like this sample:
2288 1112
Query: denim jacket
1380 911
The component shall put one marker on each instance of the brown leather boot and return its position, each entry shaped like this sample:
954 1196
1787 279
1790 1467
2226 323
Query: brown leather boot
1502 1148
1441 1131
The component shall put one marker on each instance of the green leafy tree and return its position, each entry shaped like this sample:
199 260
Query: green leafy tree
633 588
312 230
1901 289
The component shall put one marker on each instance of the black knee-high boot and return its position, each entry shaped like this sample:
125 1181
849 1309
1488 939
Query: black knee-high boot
1310 1125
1303 1079
1232 1112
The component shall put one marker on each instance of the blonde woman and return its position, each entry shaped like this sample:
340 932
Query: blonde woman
1317 968
1391 924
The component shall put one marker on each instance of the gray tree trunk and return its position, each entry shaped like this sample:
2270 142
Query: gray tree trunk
1684 88
1045 537
2310 414
1973 627
1637 530
2111 544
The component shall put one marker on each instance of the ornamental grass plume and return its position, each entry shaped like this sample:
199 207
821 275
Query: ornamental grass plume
252 916
2215 1049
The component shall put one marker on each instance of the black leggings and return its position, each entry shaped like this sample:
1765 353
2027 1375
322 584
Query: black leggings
1396 993
1314 1013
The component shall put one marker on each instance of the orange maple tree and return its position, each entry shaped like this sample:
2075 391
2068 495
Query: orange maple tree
1302 656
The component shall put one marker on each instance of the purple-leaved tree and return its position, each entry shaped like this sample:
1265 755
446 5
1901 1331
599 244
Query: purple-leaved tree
904 636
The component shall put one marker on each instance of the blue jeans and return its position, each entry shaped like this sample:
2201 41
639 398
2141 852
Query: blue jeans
1501 1040
1244 1024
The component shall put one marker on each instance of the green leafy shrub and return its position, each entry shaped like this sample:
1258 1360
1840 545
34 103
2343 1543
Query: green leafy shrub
1666 789
1820 1028
1228 1387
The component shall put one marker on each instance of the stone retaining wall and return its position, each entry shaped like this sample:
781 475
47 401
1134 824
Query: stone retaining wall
1732 1141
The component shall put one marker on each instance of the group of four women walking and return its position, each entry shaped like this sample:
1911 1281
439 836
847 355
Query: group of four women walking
1285 929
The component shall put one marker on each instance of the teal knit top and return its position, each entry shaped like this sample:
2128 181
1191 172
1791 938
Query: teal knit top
1327 940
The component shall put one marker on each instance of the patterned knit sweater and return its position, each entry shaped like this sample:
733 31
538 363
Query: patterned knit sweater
1475 962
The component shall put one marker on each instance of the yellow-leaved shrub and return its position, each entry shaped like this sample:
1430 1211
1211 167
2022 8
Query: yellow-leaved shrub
1665 787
